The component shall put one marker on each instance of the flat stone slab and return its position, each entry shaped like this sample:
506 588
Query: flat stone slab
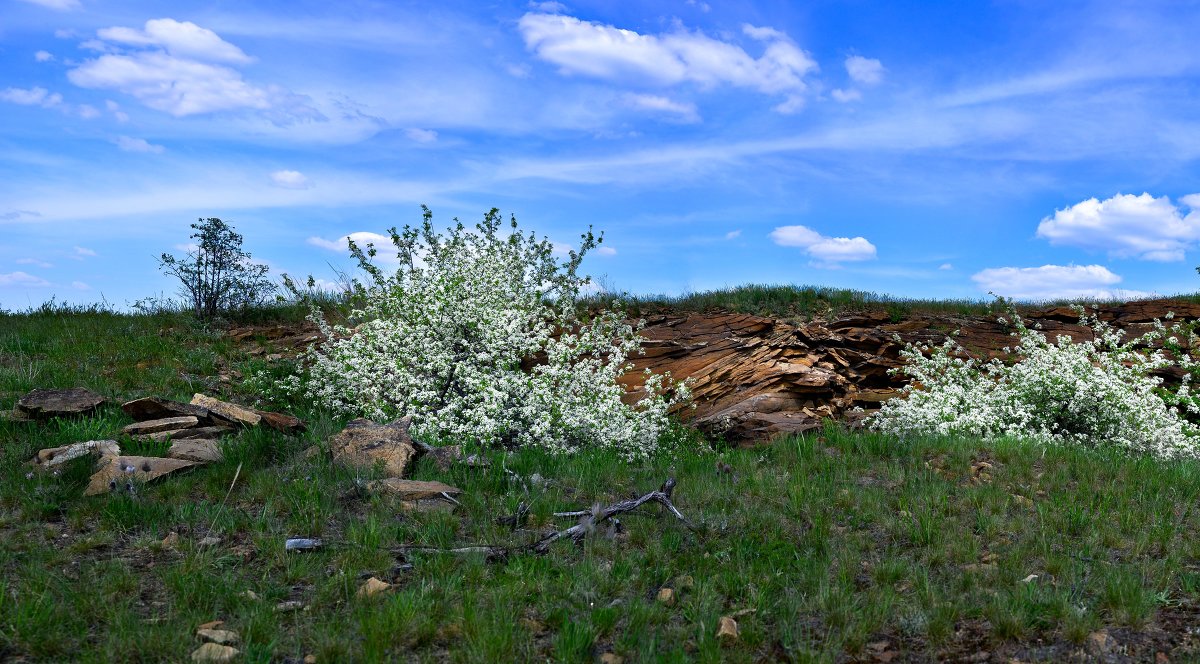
282 422
231 412
124 470
165 424
364 444
194 432
200 450
45 404
413 489
157 408
56 456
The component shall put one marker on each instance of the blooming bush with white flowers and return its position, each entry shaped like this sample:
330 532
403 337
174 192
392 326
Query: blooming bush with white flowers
478 335
1094 393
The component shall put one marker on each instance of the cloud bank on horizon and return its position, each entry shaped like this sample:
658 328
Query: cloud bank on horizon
925 152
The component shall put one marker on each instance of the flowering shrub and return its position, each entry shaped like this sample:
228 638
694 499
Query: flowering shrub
477 337
1093 393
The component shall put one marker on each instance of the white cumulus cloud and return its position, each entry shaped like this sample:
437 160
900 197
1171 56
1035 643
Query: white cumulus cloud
79 285
180 68
84 251
830 250
382 243
182 39
43 56
609 53
1052 282
129 144
606 251
1127 226
865 71
421 135
733 235
30 97
685 111
291 180
22 279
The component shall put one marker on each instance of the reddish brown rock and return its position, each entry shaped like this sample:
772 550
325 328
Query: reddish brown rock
282 422
157 426
227 411
412 489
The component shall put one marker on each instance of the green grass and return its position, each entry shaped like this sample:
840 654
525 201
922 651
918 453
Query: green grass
808 302
826 545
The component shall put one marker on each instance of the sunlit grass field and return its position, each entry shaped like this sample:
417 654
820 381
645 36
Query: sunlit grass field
835 546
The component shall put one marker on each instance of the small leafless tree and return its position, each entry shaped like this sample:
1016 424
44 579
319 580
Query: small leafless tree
216 275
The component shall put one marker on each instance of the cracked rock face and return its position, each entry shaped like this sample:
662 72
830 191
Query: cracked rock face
754 378
125 473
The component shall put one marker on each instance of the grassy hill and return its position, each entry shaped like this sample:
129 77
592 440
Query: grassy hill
838 546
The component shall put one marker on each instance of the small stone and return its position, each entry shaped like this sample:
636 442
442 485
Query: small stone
1022 501
310 659
45 404
105 449
727 629
1160 657
208 542
282 422
372 587
311 452
250 595
227 411
154 408
212 624
1029 579
165 424
302 544
445 457
666 596
1098 643
195 449
289 606
224 637
413 489
214 652
170 541
611 658
427 506
684 582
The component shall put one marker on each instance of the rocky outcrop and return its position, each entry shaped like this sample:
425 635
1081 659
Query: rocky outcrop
365 444
753 377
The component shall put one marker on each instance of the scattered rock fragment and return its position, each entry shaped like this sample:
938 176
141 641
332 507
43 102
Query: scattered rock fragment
282 422
215 652
611 658
195 449
208 542
212 624
289 606
54 456
227 411
445 457
301 544
223 637
170 541
157 408
164 424
122 472
727 629
372 587
364 443
666 596
44 404
413 489
176 434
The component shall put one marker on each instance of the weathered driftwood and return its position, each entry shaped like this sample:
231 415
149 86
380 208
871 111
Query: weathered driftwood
589 521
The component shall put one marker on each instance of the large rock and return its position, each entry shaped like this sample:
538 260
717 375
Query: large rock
119 472
364 444
156 408
157 426
45 404
227 411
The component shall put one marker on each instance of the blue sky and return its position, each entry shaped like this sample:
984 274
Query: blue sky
922 149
